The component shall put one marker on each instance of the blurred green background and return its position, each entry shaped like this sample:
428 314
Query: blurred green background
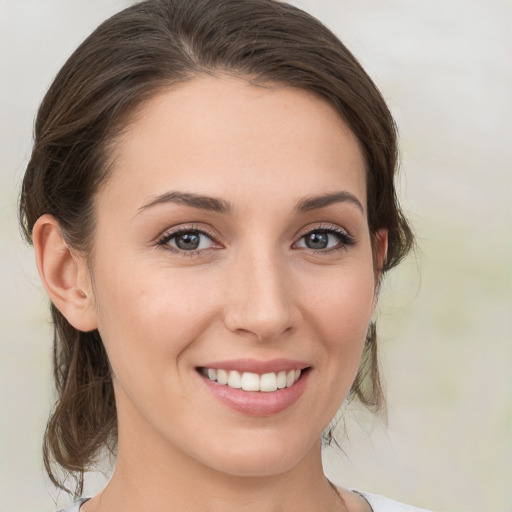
445 316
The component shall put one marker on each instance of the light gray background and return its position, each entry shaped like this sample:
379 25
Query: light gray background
445 68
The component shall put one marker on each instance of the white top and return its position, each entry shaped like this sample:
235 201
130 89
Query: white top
381 504
378 504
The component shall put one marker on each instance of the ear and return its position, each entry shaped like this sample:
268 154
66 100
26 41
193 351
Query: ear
380 251
64 274
380 248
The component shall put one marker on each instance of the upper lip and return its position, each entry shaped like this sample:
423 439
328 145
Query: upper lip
257 366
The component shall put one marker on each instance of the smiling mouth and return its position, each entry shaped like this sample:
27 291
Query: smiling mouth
248 381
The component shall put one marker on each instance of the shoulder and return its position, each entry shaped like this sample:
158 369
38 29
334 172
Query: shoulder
382 504
75 507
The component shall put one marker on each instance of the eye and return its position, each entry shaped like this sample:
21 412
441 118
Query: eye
187 240
323 239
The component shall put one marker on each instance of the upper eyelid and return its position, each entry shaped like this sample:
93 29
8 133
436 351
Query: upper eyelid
177 230
323 226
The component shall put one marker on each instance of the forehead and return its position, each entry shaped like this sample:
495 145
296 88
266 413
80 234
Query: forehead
228 138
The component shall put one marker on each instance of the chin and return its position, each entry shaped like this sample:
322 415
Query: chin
263 457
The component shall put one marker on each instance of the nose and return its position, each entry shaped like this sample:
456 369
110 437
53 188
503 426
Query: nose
260 301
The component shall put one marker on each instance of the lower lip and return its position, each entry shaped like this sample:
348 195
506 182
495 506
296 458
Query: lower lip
257 403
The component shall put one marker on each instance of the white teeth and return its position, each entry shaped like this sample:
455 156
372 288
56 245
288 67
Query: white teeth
222 376
249 381
268 382
234 380
281 380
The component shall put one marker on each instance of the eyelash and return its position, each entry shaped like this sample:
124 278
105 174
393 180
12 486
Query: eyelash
345 239
168 236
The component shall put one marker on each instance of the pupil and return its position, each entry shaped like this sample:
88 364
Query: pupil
317 240
188 241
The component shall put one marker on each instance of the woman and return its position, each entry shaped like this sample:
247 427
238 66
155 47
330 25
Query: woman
212 207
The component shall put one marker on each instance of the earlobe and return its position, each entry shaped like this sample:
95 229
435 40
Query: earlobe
64 274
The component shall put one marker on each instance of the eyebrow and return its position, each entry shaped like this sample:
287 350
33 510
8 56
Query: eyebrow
194 200
315 202
221 206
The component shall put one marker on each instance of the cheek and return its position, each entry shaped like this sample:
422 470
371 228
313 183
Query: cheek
340 312
151 317
344 303
338 315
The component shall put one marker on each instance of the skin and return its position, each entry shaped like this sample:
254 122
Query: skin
253 290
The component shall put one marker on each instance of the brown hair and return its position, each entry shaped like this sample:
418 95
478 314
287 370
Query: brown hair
128 59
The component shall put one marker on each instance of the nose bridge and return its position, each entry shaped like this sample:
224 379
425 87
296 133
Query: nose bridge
259 300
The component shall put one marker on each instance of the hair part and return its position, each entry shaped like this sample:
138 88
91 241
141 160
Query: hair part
127 60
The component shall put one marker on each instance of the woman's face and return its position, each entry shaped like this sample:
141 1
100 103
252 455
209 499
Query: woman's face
232 242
